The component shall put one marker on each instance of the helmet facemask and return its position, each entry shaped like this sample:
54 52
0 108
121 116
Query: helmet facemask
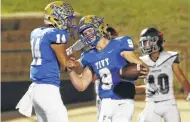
149 44
91 30
90 35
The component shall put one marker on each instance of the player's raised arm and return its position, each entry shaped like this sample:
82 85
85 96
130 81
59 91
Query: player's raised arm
82 81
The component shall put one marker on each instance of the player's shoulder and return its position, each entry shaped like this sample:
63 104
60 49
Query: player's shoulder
170 53
169 56
54 31
47 31
35 31
84 58
166 54
125 43
88 52
122 39
144 58
86 55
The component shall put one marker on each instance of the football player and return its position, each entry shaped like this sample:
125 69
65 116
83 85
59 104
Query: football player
48 46
110 33
105 60
160 100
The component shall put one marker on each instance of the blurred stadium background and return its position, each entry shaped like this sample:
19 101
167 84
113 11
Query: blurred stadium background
129 17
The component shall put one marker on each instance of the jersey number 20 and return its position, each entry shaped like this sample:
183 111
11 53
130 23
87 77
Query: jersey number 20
163 82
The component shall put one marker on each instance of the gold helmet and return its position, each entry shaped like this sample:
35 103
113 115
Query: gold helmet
59 14
95 22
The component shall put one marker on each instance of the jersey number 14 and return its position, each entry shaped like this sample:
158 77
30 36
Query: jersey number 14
36 53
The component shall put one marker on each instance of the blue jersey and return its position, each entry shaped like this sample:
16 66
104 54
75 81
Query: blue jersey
45 67
107 63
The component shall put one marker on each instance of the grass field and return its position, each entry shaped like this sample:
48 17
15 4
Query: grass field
88 114
129 17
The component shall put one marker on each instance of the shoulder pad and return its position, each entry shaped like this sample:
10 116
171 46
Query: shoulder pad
146 59
167 56
122 38
172 53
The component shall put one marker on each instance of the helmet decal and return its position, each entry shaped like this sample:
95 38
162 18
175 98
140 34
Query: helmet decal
59 14
94 22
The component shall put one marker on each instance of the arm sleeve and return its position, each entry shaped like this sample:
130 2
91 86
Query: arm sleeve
58 37
127 44
177 59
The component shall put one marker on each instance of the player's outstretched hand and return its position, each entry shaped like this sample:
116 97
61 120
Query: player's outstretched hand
188 97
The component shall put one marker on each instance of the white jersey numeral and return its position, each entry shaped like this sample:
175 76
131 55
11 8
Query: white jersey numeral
60 39
36 53
106 78
163 82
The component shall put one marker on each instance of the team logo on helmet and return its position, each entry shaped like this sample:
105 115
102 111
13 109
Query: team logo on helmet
59 14
95 22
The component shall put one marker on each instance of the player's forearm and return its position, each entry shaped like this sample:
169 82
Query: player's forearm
76 81
140 88
63 61
131 57
61 55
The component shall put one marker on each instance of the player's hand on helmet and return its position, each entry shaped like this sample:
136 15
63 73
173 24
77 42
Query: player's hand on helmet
188 97
144 72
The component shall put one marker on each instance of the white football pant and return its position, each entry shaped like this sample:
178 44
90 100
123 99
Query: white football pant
116 110
154 111
47 103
